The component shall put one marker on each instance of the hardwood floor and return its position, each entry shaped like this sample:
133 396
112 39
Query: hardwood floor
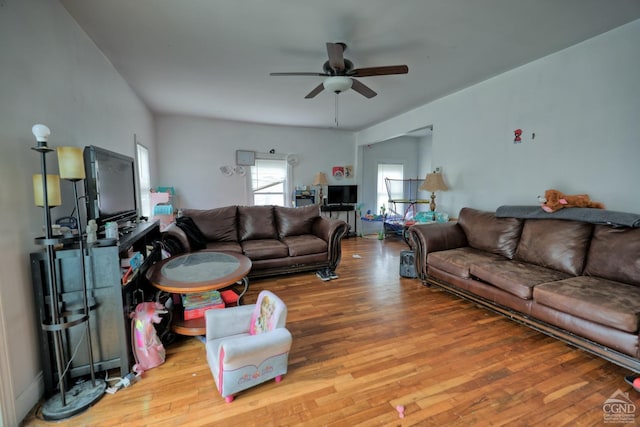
367 342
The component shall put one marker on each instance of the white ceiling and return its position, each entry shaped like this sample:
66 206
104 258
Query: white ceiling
212 58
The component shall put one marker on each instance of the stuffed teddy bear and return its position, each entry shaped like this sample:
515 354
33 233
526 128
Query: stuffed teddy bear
554 200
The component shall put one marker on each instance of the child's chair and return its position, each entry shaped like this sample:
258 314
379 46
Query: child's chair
247 345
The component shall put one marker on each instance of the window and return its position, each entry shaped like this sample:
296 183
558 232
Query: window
144 179
392 171
270 180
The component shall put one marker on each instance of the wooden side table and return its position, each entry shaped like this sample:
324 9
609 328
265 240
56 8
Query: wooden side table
199 271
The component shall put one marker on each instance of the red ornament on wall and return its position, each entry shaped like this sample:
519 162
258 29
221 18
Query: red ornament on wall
518 135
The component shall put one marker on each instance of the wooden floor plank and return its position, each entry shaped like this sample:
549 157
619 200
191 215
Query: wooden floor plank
370 341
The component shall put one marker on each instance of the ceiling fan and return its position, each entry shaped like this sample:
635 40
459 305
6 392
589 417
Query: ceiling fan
339 73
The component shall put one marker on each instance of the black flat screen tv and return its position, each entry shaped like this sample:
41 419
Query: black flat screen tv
342 194
110 186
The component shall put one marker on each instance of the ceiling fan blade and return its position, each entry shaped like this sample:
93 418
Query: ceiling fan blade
298 74
379 71
362 89
315 91
336 58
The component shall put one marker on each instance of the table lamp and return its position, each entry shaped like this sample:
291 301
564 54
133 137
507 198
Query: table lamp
321 180
433 182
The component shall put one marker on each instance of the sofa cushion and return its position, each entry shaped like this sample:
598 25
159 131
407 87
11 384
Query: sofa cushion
256 222
614 254
295 221
264 249
598 300
305 245
216 224
555 243
486 232
517 278
459 261
225 246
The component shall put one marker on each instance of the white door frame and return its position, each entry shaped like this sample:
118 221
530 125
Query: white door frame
7 402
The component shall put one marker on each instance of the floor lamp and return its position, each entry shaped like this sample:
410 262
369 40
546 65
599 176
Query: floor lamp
46 188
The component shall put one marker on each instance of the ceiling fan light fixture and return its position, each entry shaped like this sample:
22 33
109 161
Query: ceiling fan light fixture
337 84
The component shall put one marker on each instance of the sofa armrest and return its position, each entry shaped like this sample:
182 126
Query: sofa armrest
326 228
176 234
427 238
331 231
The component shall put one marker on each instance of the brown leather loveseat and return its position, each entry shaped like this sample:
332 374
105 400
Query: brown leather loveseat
574 274
277 239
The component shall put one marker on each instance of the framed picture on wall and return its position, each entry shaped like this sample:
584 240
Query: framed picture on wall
348 171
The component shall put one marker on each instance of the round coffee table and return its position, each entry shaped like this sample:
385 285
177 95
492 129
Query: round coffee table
199 271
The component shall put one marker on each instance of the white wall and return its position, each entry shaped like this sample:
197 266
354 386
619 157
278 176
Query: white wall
583 104
191 151
425 156
50 73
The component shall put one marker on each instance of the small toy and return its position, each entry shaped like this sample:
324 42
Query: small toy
633 381
92 229
400 410
554 200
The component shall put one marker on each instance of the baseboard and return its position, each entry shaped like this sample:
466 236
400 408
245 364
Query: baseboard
29 398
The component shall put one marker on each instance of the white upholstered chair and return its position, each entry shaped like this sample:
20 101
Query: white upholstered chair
247 345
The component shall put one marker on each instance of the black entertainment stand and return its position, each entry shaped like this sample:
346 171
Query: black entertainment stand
347 209
110 302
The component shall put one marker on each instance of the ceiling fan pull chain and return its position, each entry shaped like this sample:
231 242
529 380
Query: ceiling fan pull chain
336 110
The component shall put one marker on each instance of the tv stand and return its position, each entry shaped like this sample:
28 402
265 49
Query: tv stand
343 208
110 301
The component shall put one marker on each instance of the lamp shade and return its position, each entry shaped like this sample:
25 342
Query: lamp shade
53 190
71 163
320 179
433 182
337 84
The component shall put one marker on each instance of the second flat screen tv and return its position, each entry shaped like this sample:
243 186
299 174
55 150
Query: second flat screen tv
342 194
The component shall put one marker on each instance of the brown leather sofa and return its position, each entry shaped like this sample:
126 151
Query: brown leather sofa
571 279
278 240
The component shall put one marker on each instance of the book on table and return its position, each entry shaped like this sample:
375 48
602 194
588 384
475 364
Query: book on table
198 312
200 299
195 304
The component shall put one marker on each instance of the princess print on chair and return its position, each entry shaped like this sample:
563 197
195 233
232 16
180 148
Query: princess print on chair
266 311
264 315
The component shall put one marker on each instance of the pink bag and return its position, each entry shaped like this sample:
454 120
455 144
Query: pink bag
147 347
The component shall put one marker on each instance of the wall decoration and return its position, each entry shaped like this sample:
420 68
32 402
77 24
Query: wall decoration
338 172
517 136
348 171
226 170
